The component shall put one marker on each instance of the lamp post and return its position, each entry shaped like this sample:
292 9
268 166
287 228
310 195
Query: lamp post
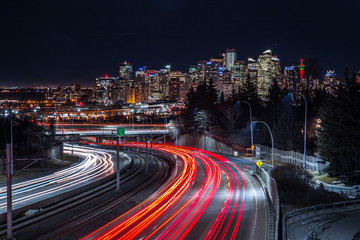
12 146
251 128
272 141
151 141
304 157
165 122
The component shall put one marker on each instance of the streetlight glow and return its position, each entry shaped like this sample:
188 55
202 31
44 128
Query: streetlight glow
272 141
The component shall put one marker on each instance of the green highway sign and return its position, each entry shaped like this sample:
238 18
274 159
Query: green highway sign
120 132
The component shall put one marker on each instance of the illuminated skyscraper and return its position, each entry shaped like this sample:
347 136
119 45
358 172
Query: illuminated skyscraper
239 72
174 85
230 57
125 80
107 91
330 82
125 71
268 68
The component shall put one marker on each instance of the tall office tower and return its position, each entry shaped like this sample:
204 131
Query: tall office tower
230 57
207 70
140 86
107 90
268 68
201 71
125 80
194 76
290 78
174 85
163 83
330 82
227 85
239 72
184 87
254 71
213 70
125 70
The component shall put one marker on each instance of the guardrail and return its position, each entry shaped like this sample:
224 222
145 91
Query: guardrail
271 188
314 209
312 163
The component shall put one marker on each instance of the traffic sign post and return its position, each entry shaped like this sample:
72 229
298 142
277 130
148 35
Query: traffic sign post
252 152
258 168
120 132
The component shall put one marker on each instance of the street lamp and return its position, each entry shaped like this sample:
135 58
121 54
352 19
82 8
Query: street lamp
304 157
272 141
251 128
165 122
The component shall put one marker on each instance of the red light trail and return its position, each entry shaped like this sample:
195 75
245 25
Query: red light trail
181 207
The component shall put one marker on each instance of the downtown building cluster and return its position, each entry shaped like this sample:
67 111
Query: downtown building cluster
226 72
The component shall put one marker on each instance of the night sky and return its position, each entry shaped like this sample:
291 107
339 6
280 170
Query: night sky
62 42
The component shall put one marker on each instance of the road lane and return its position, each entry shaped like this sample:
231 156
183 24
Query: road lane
96 164
210 199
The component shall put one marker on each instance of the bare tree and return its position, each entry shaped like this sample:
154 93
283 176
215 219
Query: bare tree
231 112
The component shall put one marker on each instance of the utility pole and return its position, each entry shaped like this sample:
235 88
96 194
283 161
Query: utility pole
165 122
12 144
117 166
62 144
146 158
137 142
124 141
151 141
9 192
72 143
43 143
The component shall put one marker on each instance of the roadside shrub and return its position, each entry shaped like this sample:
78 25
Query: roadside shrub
294 188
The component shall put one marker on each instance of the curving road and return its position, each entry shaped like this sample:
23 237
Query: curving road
210 198
97 164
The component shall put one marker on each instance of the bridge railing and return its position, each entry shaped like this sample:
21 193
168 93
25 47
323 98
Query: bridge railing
314 209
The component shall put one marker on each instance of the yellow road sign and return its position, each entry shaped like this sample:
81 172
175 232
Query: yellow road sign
252 146
259 163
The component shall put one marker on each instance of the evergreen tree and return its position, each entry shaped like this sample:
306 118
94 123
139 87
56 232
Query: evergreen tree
189 100
286 127
248 92
275 94
273 107
338 141
200 103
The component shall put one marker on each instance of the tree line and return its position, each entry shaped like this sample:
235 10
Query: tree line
333 129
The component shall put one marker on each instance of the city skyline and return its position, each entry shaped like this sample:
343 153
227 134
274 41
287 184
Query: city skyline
76 42
115 72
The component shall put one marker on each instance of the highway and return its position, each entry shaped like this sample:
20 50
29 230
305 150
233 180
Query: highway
79 214
113 132
110 129
210 198
96 164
